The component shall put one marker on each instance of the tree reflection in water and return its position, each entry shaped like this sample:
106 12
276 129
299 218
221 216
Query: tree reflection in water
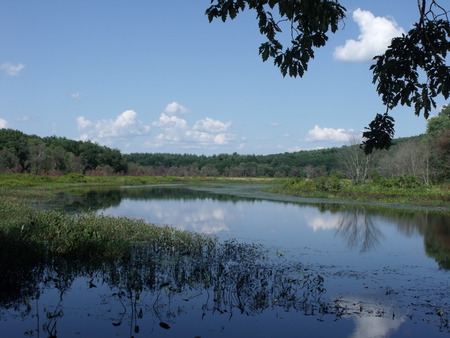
229 279
356 226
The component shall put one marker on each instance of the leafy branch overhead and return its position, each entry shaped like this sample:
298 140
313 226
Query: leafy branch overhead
307 22
412 71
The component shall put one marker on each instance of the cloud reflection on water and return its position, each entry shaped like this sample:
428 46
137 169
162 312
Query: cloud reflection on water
205 218
355 225
372 318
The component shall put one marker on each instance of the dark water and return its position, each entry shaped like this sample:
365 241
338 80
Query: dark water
311 270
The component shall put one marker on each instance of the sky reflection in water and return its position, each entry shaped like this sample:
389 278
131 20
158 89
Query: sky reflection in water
351 235
365 256
379 280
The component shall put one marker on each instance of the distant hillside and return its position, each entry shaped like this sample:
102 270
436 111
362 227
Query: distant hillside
20 152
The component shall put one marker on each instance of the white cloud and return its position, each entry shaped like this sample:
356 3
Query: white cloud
204 133
170 131
168 122
376 35
11 69
330 134
210 125
75 96
83 123
3 123
175 108
105 131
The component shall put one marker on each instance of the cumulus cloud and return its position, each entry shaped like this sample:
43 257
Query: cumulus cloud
175 108
376 35
209 125
3 123
83 123
75 96
330 134
170 131
105 131
11 69
175 130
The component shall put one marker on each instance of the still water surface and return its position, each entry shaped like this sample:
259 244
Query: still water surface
385 271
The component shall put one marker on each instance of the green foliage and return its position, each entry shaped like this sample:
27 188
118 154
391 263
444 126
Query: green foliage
72 178
319 184
55 155
423 50
405 181
234 165
405 189
308 22
21 180
438 138
88 235
49 156
379 134
440 123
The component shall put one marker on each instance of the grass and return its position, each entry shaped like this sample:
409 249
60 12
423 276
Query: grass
411 192
112 237
86 235
232 271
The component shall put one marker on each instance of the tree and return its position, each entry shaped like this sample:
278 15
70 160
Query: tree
408 158
355 163
8 161
438 135
306 24
39 160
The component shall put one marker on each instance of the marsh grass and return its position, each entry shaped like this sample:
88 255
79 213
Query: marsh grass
91 236
398 190
30 180
43 250
40 247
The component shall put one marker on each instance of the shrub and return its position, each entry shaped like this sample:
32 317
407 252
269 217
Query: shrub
72 178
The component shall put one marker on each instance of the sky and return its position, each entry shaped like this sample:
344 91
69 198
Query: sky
157 77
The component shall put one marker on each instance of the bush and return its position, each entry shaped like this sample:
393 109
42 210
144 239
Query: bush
72 178
405 181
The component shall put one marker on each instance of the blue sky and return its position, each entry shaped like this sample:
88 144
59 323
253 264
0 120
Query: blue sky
156 76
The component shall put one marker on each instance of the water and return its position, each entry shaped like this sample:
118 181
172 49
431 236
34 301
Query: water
385 271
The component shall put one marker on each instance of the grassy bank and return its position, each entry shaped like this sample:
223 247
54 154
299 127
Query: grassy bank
87 235
387 191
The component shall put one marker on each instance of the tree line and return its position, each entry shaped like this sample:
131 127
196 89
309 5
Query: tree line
22 153
425 157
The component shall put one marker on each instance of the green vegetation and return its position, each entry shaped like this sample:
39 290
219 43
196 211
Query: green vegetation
55 155
414 170
426 157
134 256
84 235
295 29
399 190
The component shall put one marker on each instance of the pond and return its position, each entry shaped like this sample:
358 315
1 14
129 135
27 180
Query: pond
287 267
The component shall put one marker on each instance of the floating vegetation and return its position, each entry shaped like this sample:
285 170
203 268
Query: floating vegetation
144 278
159 280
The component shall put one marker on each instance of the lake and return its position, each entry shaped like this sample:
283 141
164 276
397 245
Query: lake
288 267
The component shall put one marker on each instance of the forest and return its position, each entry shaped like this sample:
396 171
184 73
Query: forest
425 157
